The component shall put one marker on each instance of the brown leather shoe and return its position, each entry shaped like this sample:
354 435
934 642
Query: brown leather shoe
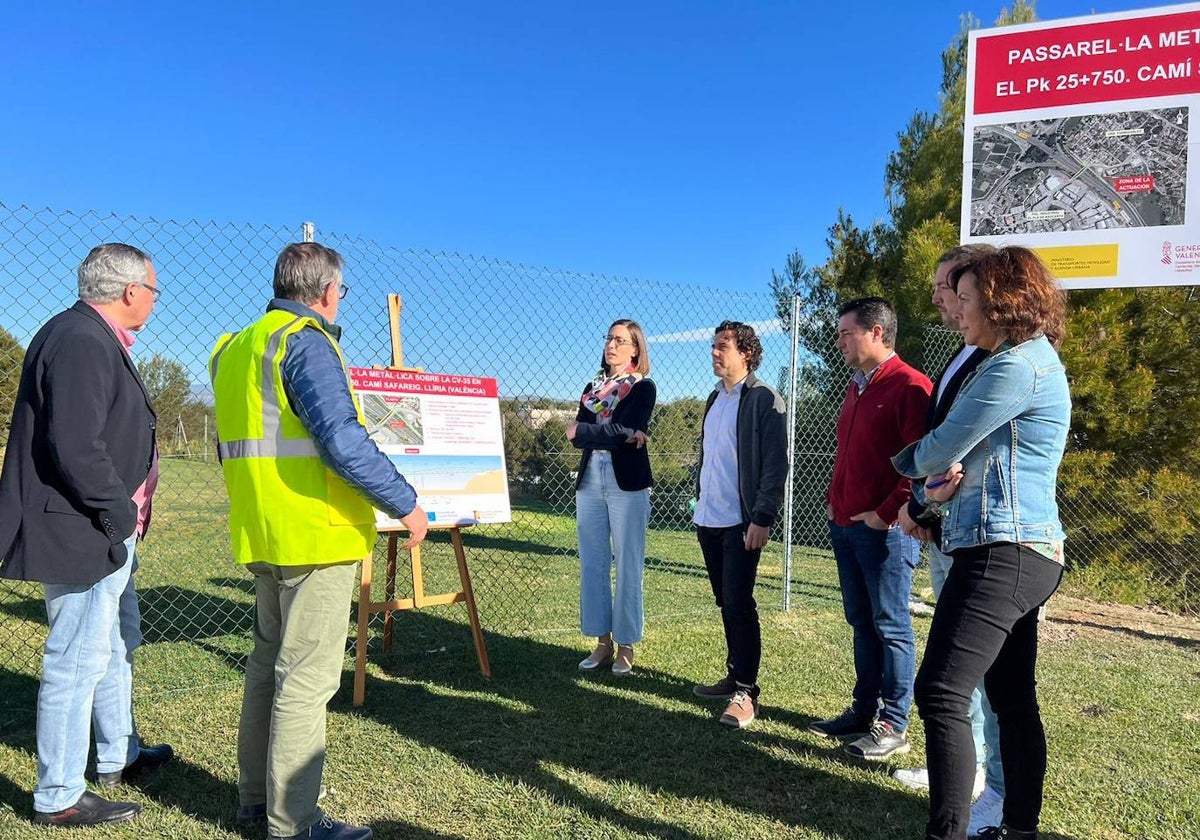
89 809
741 711
722 689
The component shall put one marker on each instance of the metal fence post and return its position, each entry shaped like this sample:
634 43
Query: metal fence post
789 499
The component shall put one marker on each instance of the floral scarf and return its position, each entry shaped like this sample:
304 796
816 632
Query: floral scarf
606 391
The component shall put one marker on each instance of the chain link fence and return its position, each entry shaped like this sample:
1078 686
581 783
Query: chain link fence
1133 531
539 332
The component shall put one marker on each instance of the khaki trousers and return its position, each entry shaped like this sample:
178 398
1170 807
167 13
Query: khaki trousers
300 627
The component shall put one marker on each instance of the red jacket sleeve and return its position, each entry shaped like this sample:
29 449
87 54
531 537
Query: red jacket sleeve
911 409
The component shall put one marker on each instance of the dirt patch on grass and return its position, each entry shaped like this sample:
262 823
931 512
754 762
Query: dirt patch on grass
1068 617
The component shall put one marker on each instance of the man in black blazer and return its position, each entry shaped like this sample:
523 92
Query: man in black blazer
989 782
79 471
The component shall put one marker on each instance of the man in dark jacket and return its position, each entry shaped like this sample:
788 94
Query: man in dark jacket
743 468
79 472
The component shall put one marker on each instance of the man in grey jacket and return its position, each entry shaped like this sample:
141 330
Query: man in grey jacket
743 468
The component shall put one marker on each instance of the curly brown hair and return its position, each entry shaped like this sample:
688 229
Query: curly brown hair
1020 298
744 339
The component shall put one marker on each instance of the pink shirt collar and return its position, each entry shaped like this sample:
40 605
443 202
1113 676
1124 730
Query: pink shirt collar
143 495
124 336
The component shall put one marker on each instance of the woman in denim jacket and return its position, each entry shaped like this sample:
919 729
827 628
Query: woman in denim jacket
991 469
612 496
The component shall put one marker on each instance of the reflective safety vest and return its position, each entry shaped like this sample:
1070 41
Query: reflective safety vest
285 506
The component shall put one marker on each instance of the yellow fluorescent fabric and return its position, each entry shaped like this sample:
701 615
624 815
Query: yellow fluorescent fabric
285 506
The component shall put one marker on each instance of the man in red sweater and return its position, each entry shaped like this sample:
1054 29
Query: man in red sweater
883 411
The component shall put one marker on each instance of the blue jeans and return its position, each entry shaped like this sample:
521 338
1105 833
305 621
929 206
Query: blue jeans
87 683
612 527
875 572
984 728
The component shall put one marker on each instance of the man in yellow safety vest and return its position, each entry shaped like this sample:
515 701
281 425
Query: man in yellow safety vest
303 478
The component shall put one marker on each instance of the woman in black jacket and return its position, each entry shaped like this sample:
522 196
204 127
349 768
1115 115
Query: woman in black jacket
612 496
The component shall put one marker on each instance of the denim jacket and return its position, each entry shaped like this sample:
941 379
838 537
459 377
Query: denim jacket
1008 427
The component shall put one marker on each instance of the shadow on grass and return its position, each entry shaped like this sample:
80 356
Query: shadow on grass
395 830
813 591
23 601
763 582
16 797
606 730
193 791
18 693
176 614
188 787
482 542
169 614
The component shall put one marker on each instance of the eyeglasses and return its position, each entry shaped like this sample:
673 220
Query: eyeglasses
620 342
342 289
154 292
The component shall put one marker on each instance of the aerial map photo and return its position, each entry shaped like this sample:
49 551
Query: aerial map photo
1098 171
393 420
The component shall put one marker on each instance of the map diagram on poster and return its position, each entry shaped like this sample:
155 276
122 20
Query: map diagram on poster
1078 143
444 435
1121 170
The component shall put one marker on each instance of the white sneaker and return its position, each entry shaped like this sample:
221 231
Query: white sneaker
919 608
987 811
980 782
917 779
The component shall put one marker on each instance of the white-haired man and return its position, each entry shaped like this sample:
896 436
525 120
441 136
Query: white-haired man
78 475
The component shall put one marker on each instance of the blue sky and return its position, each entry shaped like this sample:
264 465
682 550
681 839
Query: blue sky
672 142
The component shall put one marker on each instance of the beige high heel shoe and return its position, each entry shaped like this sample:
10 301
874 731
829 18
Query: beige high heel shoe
598 658
623 663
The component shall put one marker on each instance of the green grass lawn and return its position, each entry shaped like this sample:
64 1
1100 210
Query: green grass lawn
541 750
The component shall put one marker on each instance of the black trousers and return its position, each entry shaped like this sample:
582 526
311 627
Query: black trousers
985 626
731 572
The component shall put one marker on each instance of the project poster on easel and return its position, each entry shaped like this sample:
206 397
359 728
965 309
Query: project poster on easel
443 433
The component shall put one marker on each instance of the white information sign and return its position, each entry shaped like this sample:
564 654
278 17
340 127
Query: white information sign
1080 142
444 435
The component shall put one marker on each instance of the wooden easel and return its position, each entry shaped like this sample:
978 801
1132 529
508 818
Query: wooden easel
391 604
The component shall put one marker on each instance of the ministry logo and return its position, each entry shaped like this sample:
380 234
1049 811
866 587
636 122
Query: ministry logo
1166 253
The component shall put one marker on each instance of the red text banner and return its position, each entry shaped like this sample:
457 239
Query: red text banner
1135 58
382 379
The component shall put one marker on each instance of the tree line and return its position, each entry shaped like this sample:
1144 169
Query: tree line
1129 485
185 420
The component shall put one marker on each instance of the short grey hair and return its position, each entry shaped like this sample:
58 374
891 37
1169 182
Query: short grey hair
304 270
108 269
